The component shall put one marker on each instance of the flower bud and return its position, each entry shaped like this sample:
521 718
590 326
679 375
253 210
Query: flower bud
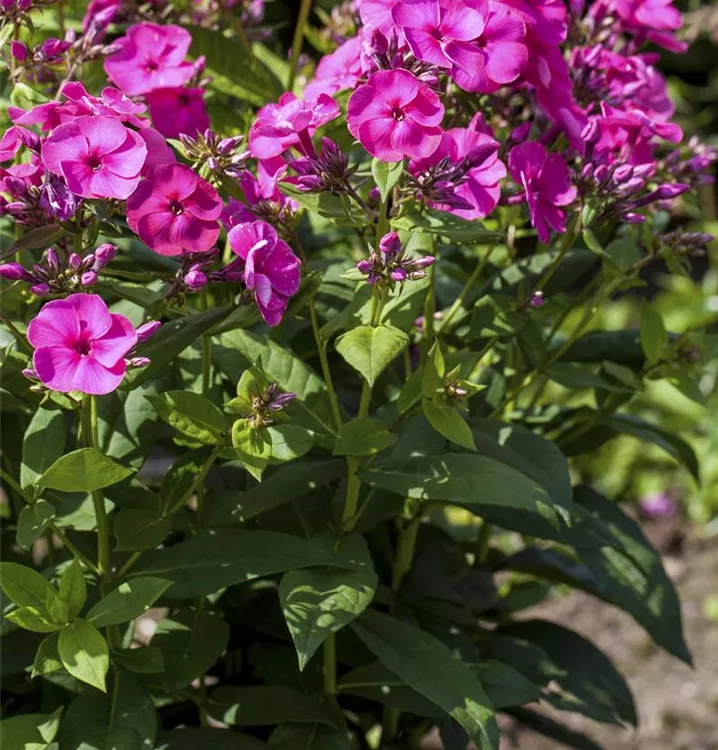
591 132
390 244
18 50
74 261
88 278
399 274
103 255
14 272
622 173
40 290
666 192
195 279
147 330
138 362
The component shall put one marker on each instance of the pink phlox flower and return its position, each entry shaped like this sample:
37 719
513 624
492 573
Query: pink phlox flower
98 157
14 139
338 70
110 8
30 172
395 116
546 181
290 122
174 210
495 56
271 269
150 57
80 346
179 110
653 20
377 14
264 200
480 185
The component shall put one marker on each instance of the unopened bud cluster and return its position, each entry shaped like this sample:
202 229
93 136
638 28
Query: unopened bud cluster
54 276
391 264
326 172
218 156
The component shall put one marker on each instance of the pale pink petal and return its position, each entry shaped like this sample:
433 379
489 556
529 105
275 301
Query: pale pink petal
426 47
95 319
425 108
94 378
413 140
57 367
375 136
65 143
129 158
417 14
195 235
106 184
462 23
56 323
104 134
115 343
154 230
396 87
505 60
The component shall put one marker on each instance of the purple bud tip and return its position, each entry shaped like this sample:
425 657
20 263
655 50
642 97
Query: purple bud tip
364 266
425 262
74 261
104 254
40 290
657 505
398 274
537 299
30 374
665 192
390 244
147 330
195 279
88 278
18 50
138 362
14 272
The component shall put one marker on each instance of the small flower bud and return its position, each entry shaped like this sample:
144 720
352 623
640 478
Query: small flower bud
74 261
89 278
40 290
147 330
138 361
103 255
30 374
195 279
390 244
18 50
666 192
14 272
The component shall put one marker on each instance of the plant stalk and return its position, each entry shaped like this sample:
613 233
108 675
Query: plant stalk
302 19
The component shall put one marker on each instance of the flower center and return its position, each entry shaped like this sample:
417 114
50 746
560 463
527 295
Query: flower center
94 163
437 34
151 66
82 347
183 100
397 114
176 208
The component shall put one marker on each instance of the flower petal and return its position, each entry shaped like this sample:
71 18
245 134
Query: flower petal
115 343
95 319
103 134
65 143
96 379
56 367
57 323
375 136
129 158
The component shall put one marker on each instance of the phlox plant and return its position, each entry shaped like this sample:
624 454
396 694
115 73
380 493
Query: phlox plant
300 350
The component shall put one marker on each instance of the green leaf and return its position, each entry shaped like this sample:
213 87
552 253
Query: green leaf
178 481
654 337
29 731
286 484
369 350
267 705
622 347
447 225
577 676
129 433
446 420
129 600
139 529
171 340
214 559
386 175
47 658
84 470
433 372
190 643
326 205
192 738
289 441
575 377
146 660
238 350
25 586
552 729
317 602
35 239
33 619
462 479
73 590
84 653
224 58
43 444
127 720
33 521
191 414
25 96
363 436
309 737
429 667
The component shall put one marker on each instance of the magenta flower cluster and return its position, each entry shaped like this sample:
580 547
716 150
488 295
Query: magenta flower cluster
543 104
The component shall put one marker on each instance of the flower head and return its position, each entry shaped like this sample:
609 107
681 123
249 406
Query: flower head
80 346
271 269
391 265
98 157
177 111
174 211
395 116
291 122
546 181
150 57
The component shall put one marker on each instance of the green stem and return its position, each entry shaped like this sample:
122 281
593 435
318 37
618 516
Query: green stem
482 544
329 665
430 309
90 436
302 19
125 569
568 239
61 18
470 282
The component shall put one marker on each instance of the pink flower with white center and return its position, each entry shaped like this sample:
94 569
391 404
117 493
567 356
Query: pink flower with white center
497 54
290 122
271 269
546 180
174 211
395 116
177 111
479 186
151 57
80 346
98 157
